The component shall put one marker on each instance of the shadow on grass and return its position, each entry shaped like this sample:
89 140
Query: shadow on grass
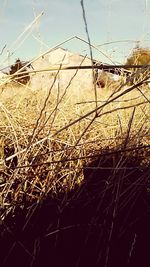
103 222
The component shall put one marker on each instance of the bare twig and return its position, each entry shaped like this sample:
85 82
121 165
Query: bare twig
91 53
2 50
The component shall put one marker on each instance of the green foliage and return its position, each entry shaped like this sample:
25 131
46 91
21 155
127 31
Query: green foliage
21 77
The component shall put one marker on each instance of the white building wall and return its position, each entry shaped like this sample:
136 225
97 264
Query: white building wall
76 80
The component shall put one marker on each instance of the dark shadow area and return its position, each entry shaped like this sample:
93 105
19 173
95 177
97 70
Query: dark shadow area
103 222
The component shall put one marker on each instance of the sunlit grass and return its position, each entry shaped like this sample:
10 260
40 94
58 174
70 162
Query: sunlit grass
46 141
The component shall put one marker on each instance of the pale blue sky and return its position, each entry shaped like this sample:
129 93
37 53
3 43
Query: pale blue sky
108 21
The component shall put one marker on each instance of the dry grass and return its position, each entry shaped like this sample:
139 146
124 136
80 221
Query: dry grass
59 139
47 138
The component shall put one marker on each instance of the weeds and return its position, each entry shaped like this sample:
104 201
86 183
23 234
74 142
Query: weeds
85 155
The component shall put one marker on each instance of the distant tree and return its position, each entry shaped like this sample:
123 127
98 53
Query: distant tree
139 56
22 78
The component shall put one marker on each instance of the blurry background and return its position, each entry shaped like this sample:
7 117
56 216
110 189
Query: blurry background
115 26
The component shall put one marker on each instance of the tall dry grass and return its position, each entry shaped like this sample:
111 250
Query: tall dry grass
49 140
48 137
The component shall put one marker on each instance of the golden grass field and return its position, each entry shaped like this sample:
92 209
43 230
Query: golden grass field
74 158
48 137
74 173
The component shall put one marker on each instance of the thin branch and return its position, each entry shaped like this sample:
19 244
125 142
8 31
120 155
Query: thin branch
2 50
91 53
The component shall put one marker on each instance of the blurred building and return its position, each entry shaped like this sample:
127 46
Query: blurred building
76 79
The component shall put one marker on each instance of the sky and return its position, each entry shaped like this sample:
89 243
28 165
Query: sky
28 28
